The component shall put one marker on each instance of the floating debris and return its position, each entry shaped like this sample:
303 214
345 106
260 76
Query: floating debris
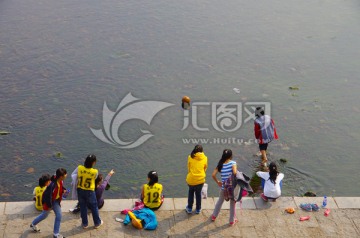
30 170
236 90
294 88
309 194
282 160
4 133
59 155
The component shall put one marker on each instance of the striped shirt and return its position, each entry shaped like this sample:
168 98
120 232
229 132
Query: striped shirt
226 171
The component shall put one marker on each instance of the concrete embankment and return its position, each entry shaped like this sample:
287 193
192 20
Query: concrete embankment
256 219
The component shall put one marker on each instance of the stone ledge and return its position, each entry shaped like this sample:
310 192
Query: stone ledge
171 204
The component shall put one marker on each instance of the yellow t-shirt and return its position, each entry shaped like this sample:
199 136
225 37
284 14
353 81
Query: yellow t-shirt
152 195
86 178
196 169
38 192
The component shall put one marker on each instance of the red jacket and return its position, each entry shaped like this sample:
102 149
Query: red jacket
50 194
264 129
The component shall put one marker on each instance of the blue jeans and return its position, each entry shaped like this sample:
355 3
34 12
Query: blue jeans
87 199
44 214
197 190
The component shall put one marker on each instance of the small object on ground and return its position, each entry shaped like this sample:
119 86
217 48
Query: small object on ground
135 221
118 219
324 202
290 210
309 194
204 191
185 102
304 218
315 207
327 212
306 206
294 88
125 211
4 133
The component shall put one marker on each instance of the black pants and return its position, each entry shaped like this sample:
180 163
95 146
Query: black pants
196 189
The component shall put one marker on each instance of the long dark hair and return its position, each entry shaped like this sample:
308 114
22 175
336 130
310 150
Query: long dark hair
59 172
225 156
197 148
153 176
90 159
273 172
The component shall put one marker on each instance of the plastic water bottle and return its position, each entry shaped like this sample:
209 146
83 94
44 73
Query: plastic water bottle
324 202
65 194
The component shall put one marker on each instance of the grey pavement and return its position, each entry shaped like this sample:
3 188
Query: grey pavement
256 218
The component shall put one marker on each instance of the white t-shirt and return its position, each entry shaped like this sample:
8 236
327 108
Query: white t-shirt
271 190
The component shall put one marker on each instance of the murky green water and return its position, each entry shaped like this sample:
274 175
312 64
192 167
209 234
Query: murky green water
60 60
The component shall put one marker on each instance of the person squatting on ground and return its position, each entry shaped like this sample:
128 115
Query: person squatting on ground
225 167
51 200
44 181
151 193
264 130
86 176
272 182
197 165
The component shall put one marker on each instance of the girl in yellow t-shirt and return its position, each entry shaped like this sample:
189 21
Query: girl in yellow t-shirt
197 165
44 181
151 193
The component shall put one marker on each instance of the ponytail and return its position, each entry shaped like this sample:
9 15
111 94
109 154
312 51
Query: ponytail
273 172
225 156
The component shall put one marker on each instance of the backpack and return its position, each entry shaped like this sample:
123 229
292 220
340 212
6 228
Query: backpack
236 187
229 186
47 195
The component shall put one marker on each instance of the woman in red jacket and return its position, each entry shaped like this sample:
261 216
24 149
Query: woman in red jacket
51 199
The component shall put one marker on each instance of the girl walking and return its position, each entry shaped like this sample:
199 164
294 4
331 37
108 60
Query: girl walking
197 165
51 199
225 167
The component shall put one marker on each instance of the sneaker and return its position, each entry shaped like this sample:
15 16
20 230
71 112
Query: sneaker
315 207
264 197
84 227
197 211
188 210
306 206
34 228
213 218
233 223
97 227
58 236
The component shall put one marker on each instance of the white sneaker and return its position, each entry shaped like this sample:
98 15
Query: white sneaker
58 236
34 228
97 227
